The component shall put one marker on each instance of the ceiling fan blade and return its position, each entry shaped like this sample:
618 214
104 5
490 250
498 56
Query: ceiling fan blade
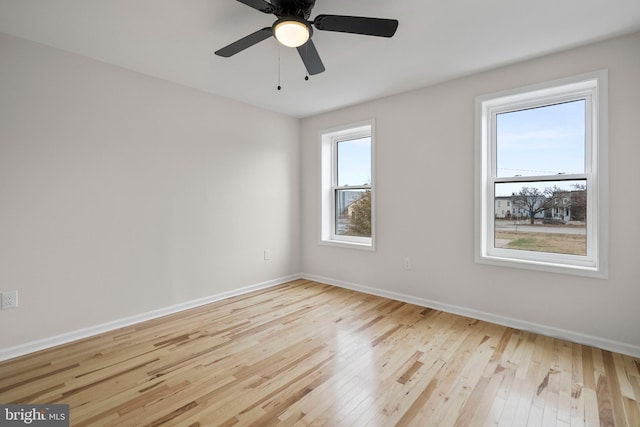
260 5
245 42
311 58
357 25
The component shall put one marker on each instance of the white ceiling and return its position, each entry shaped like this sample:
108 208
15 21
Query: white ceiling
437 40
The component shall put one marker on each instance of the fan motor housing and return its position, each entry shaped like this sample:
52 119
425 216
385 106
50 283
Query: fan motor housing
298 8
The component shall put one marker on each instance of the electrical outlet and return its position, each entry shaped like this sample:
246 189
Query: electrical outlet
9 300
267 255
407 263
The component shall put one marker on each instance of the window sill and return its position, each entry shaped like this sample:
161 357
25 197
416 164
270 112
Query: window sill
349 245
549 267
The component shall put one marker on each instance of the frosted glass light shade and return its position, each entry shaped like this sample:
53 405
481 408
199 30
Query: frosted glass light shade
291 33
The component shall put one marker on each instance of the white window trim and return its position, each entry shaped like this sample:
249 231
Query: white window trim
328 140
594 86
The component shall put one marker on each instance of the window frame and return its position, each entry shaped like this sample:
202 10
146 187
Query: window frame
593 87
329 140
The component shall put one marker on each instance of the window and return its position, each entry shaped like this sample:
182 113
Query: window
347 194
544 149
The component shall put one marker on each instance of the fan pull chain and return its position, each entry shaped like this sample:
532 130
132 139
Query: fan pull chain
306 55
279 87
306 74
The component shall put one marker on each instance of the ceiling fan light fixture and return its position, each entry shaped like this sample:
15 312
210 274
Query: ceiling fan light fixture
293 28
291 32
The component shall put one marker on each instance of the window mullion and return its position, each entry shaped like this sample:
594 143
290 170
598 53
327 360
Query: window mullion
540 178
353 187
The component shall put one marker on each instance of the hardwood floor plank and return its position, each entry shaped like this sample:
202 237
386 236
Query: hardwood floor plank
577 417
309 354
616 393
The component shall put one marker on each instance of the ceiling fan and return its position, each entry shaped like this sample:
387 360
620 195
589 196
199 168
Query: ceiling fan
293 29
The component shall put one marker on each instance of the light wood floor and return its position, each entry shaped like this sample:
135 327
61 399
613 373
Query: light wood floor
305 353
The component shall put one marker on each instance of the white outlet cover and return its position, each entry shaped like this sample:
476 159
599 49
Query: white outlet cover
9 300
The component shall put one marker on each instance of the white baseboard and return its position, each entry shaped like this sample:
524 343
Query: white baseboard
577 337
605 344
33 346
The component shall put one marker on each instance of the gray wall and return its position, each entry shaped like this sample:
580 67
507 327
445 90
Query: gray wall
425 195
121 194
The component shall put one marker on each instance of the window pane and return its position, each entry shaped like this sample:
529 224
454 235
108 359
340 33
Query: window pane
549 216
354 162
547 140
353 213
